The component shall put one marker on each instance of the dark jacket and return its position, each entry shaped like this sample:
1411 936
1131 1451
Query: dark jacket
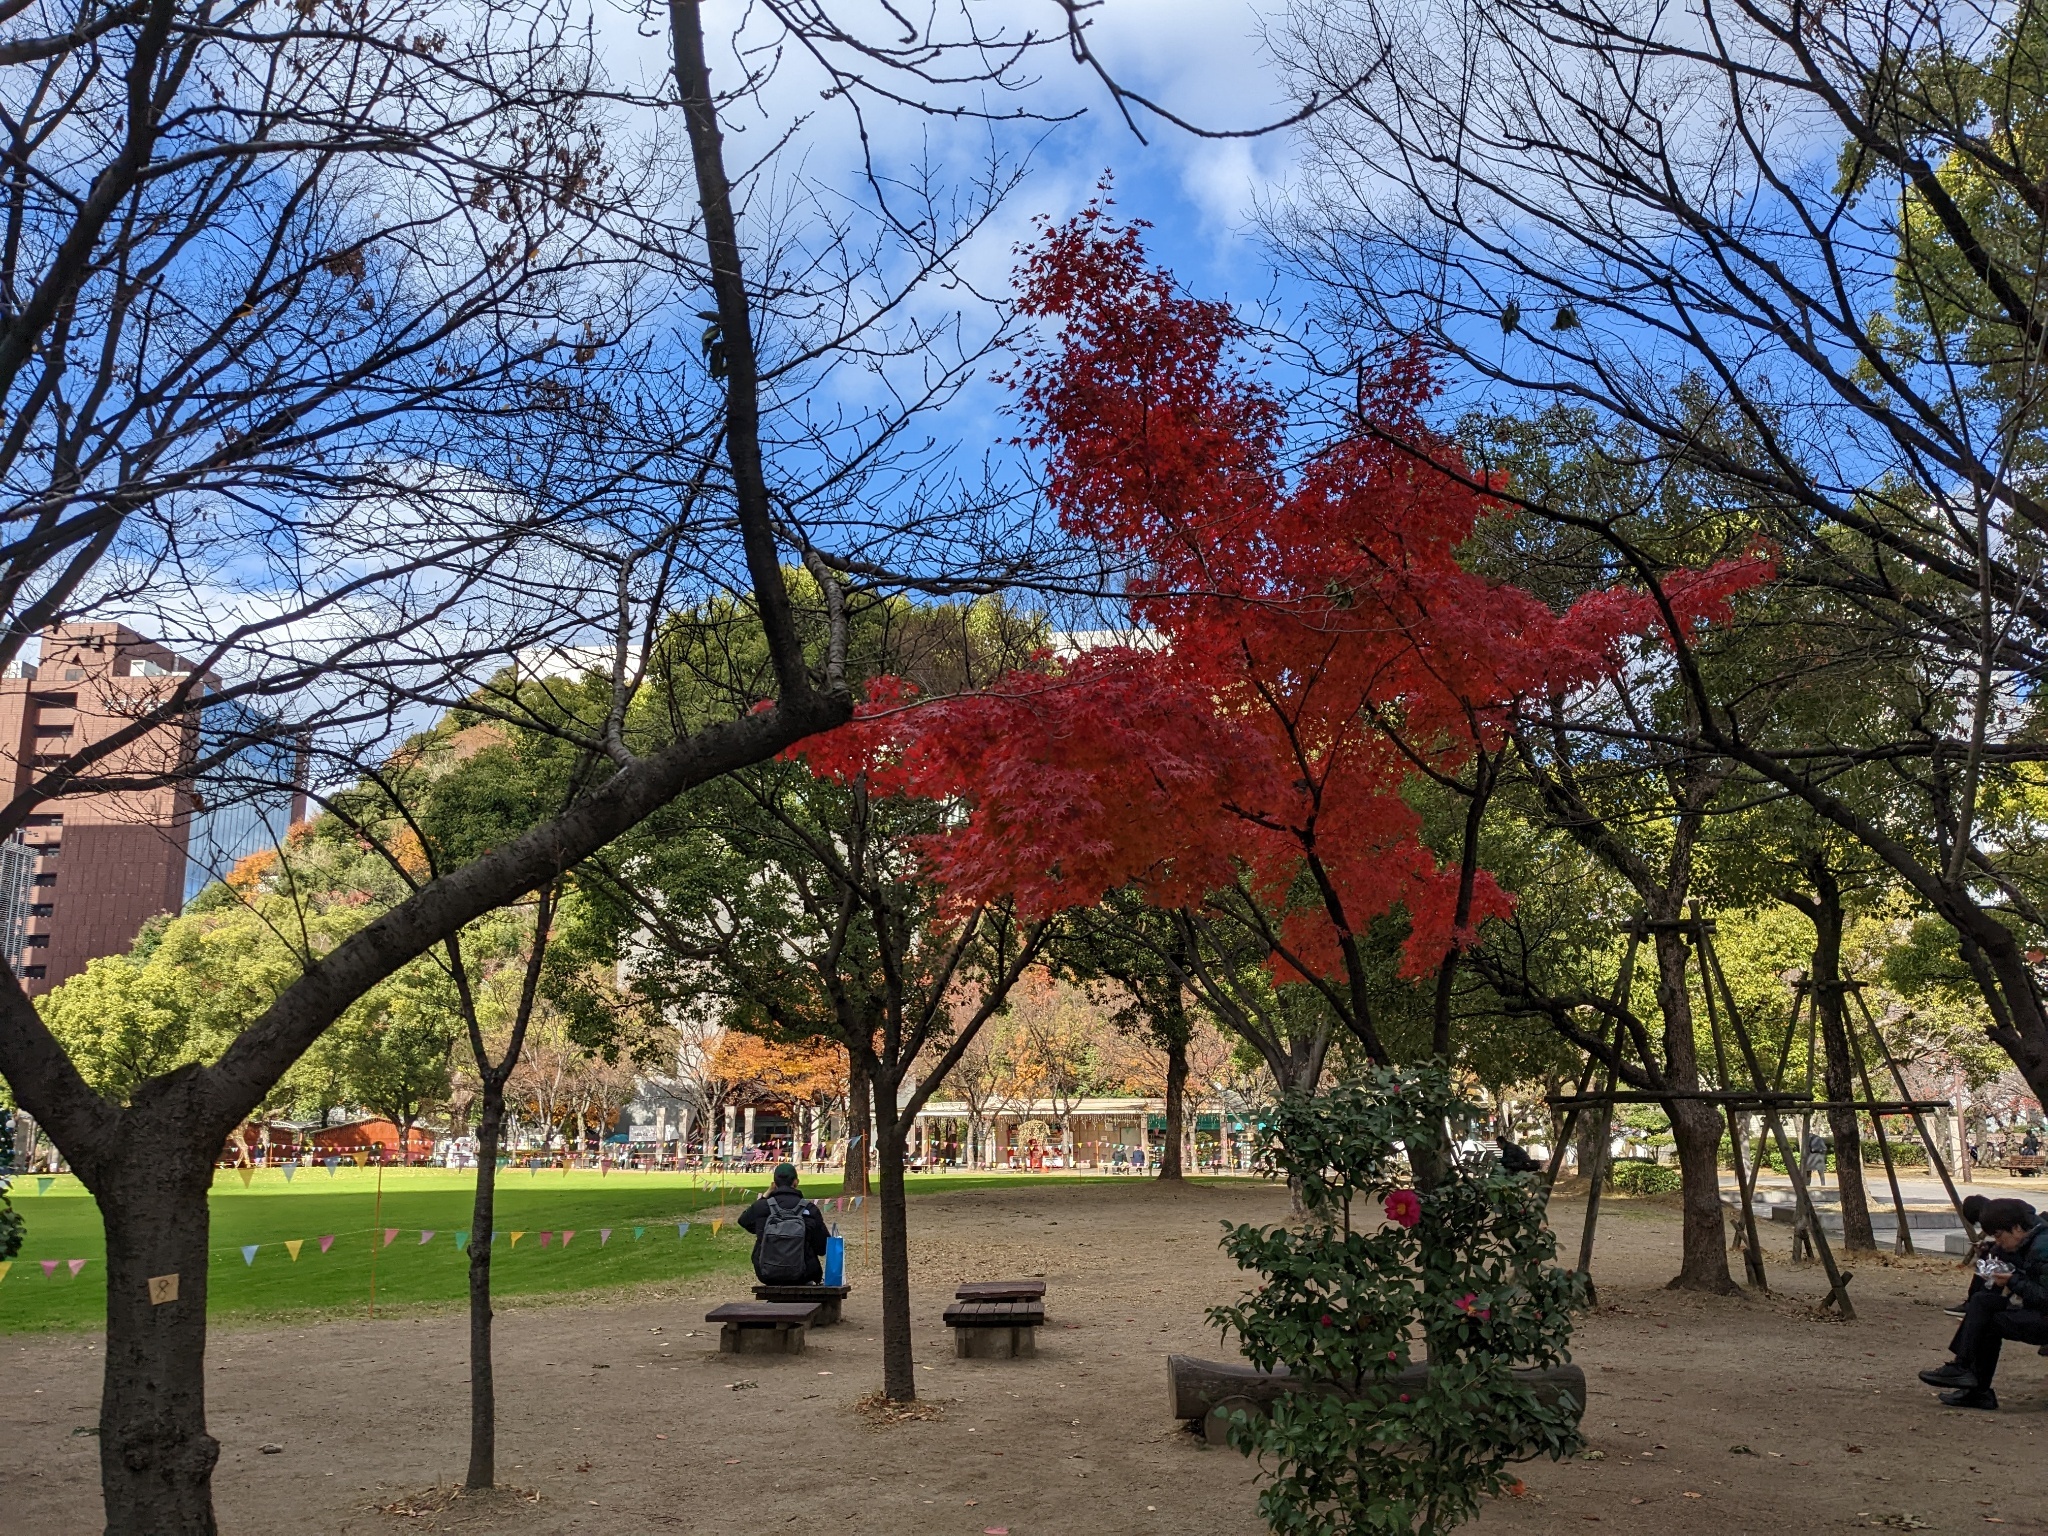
2029 1283
755 1216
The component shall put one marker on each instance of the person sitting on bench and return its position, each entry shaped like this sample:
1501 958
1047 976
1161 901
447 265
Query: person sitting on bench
789 1234
2012 1303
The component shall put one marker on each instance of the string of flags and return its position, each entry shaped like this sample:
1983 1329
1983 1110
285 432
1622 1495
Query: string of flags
511 1238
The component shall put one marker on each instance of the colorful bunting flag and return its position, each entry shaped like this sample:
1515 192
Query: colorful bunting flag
292 1245
76 1266
390 1236
515 1238
566 1236
49 1268
682 1229
43 1186
461 1241
331 1164
326 1243
289 1170
249 1252
360 1159
426 1236
715 1226
640 1232
546 1238
604 1235
5 1265
247 1174
496 1238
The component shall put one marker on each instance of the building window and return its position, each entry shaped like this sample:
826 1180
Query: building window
45 880
34 972
41 908
37 941
73 674
46 821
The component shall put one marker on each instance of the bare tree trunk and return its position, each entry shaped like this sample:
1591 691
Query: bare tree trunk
1838 1065
860 1125
1695 1127
156 1457
899 1368
1176 1106
483 1398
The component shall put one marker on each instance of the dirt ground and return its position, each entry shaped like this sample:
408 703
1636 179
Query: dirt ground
1709 1415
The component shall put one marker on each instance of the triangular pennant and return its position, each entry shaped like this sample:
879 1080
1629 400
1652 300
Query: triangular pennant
390 1236
515 1238
426 1236
496 1238
43 1186
360 1159
532 1171
76 1266
292 1245
247 1174
5 1265
682 1229
546 1238
604 1235
326 1243
49 1268
289 1170
461 1241
715 1226
249 1252
332 1162
566 1236
638 1233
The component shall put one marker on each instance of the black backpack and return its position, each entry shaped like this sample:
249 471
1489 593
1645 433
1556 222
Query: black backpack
785 1244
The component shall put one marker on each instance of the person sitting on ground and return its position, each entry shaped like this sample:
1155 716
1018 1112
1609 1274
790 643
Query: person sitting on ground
789 1234
2012 1303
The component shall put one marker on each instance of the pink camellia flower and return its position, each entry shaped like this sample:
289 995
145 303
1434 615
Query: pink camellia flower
1405 1207
1327 1320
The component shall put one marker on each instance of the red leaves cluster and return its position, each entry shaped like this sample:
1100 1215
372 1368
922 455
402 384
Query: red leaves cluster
1318 641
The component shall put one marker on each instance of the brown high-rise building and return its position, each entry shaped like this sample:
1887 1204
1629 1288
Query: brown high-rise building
104 864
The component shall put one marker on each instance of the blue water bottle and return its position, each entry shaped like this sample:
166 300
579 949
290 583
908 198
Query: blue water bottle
835 1259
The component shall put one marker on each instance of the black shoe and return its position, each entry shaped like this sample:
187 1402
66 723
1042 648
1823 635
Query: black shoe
1959 1309
1950 1375
1971 1397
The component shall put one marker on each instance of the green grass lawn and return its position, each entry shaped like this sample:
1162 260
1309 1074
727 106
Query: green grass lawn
64 1224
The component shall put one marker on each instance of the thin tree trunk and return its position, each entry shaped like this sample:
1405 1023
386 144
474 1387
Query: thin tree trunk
1695 1127
1176 1105
860 1124
899 1368
483 1399
156 1457
1838 1065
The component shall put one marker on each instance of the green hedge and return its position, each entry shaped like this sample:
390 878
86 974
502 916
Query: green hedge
1644 1179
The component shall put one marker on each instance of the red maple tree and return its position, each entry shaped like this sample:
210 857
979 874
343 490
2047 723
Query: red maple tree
1308 641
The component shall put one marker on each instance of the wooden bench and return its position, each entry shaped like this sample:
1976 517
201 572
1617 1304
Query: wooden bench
995 1330
2024 1164
1205 1392
827 1298
1000 1290
762 1327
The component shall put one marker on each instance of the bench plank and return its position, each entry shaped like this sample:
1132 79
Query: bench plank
827 1299
995 1314
1000 1290
763 1314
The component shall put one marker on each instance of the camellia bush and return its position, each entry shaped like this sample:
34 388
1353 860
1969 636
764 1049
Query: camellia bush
1382 1276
